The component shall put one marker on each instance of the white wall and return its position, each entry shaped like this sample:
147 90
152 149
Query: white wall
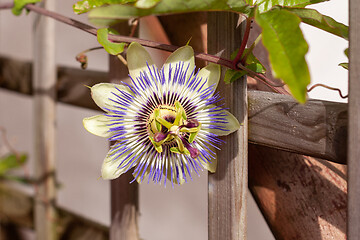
326 52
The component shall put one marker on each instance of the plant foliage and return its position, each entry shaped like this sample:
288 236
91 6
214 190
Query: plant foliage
20 4
10 162
111 47
279 20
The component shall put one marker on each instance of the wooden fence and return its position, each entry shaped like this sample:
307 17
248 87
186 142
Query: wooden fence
300 196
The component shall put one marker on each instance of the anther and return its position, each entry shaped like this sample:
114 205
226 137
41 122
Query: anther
159 136
191 123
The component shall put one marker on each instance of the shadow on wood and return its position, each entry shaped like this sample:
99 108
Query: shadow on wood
300 197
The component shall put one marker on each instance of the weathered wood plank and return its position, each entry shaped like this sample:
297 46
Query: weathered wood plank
354 121
18 208
317 128
44 74
300 197
71 83
181 28
228 186
124 196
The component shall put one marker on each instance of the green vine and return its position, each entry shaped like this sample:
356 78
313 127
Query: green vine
279 21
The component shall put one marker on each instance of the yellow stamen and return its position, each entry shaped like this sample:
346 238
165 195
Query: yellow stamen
163 122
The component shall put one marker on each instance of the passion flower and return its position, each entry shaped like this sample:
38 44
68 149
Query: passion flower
165 124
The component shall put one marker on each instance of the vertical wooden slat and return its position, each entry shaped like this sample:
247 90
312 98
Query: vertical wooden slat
124 196
228 186
44 120
354 122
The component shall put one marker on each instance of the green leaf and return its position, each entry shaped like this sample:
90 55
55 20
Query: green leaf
20 4
233 75
146 3
86 5
256 67
287 47
316 19
108 15
346 51
111 47
266 5
11 161
252 62
344 65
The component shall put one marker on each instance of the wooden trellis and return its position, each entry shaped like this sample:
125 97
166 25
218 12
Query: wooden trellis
292 191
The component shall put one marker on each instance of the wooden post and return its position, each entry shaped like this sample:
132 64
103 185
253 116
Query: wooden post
300 197
44 124
124 196
354 122
228 186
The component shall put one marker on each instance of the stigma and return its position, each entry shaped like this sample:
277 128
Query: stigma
168 126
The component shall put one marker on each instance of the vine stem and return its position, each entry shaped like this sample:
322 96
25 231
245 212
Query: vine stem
328 87
244 41
118 38
161 46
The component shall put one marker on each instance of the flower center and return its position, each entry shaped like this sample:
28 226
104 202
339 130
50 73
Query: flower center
169 124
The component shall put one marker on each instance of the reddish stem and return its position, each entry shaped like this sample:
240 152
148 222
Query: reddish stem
328 87
237 59
166 47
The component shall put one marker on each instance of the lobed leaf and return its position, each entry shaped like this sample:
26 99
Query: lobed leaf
287 47
20 4
316 19
108 15
111 47
86 5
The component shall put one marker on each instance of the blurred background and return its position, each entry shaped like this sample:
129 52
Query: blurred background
166 213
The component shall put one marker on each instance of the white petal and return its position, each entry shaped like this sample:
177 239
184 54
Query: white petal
211 167
97 125
173 162
110 168
175 181
211 74
200 144
145 176
183 54
228 124
102 92
138 60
